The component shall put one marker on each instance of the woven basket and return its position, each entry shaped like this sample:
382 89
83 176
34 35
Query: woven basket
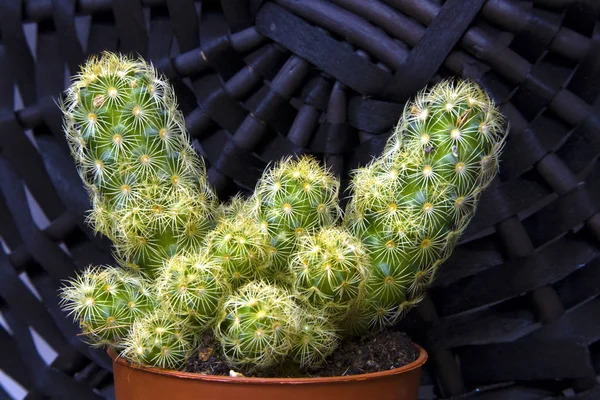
514 313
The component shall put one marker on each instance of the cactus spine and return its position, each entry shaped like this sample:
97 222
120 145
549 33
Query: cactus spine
258 325
146 183
160 339
106 301
410 206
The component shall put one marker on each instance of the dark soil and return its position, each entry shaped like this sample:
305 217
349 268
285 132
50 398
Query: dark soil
387 350
381 352
208 361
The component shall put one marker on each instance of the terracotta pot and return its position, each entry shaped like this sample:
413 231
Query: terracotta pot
142 383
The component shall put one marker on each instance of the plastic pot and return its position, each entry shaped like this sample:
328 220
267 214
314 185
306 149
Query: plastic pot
133 382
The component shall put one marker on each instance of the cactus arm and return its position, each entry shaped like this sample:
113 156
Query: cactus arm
410 205
147 185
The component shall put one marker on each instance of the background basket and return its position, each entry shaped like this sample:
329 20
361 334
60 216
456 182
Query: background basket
514 313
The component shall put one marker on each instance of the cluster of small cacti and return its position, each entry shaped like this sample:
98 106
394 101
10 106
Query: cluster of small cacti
275 277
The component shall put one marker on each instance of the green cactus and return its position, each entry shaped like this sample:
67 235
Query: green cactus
272 277
410 205
193 288
241 249
296 197
238 207
160 339
315 339
258 325
146 183
331 269
106 301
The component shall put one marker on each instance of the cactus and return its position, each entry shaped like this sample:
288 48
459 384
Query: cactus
257 325
238 207
106 301
296 197
240 247
272 277
146 183
410 205
315 339
331 269
160 339
193 288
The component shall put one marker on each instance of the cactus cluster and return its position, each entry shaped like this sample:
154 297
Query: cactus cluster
281 275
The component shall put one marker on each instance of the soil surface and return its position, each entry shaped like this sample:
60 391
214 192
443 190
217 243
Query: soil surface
381 352
387 350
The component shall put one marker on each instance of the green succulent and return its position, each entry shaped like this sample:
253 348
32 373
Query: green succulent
241 248
315 339
160 339
331 270
193 288
146 183
257 325
274 277
106 301
295 197
410 205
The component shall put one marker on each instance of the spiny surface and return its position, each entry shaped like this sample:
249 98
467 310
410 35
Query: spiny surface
257 326
410 205
146 183
193 288
331 269
241 249
315 339
160 339
295 197
106 301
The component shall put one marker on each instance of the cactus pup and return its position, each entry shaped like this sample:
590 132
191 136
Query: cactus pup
106 301
257 325
294 198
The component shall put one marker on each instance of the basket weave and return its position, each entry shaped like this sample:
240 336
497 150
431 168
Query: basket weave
514 313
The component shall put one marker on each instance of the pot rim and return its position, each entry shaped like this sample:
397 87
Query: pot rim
281 381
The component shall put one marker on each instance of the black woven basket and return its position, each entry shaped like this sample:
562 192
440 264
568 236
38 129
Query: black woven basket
514 313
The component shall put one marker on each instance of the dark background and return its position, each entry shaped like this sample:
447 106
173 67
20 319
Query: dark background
514 313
